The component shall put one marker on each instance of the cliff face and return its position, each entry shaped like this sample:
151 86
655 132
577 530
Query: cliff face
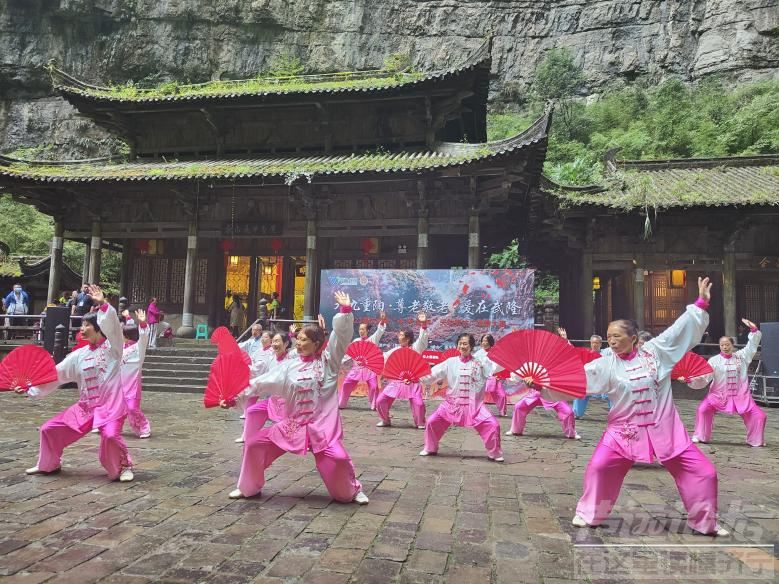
196 40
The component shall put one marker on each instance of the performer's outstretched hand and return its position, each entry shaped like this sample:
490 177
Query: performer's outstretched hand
97 294
342 298
382 316
749 323
422 317
140 316
704 288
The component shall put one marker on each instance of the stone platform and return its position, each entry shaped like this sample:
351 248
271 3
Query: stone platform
456 517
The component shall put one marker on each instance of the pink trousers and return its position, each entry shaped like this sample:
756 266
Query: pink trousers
56 435
527 404
488 429
754 420
135 417
351 381
333 463
695 476
256 416
384 403
496 389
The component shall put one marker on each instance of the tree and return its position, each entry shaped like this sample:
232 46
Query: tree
546 284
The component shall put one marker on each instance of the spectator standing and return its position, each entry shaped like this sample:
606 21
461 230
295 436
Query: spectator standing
16 303
153 317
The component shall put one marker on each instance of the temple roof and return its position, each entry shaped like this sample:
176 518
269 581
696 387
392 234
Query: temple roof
13 171
631 184
356 82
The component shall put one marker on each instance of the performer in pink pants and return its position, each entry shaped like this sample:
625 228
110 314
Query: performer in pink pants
464 401
96 368
494 387
271 407
643 422
135 343
397 389
530 401
356 373
311 418
729 392
258 347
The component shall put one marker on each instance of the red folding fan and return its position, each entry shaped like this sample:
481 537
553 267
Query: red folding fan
406 365
80 342
587 355
367 355
449 353
229 376
25 367
548 359
691 365
503 374
431 357
224 341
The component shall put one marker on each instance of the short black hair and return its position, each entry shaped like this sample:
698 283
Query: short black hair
91 318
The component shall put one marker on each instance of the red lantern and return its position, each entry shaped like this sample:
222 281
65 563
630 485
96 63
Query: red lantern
227 246
369 245
142 245
276 244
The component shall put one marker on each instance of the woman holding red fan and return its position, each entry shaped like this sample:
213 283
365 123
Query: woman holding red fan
397 389
464 403
311 418
494 385
530 401
643 422
357 373
96 369
729 392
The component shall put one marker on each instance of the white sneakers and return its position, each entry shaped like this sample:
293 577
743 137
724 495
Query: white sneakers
236 494
243 417
126 476
426 453
510 433
497 458
95 430
420 427
696 439
577 437
383 424
35 471
145 435
239 440
361 498
577 521
722 532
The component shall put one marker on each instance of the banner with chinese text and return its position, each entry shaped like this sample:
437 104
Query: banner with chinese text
475 301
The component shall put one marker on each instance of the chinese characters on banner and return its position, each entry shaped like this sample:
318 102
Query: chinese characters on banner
455 301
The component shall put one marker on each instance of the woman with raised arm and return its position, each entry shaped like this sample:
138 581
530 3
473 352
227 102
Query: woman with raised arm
136 340
494 387
397 389
643 422
729 393
356 373
463 405
311 420
96 368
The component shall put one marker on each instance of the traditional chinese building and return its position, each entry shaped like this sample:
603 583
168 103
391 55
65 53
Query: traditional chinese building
634 247
255 186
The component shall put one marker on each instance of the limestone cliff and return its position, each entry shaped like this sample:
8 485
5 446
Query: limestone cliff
119 40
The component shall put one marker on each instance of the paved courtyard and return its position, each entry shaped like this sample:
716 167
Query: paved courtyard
452 518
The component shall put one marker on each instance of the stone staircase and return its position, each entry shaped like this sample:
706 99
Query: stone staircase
183 368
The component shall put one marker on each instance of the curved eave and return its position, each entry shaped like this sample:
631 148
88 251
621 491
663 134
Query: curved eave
79 92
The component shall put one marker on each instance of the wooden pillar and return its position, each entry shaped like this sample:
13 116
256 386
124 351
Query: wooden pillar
55 267
187 328
95 254
85 268
586 297
312 272
423 250
474 252
638 295
124 279
729 289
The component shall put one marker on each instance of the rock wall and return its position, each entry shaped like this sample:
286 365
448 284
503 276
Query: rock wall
196 40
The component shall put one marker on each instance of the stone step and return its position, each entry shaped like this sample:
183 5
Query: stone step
174 387
190 371
179 360
181 380
189 352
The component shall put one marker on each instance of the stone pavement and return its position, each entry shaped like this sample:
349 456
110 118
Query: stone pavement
452 518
